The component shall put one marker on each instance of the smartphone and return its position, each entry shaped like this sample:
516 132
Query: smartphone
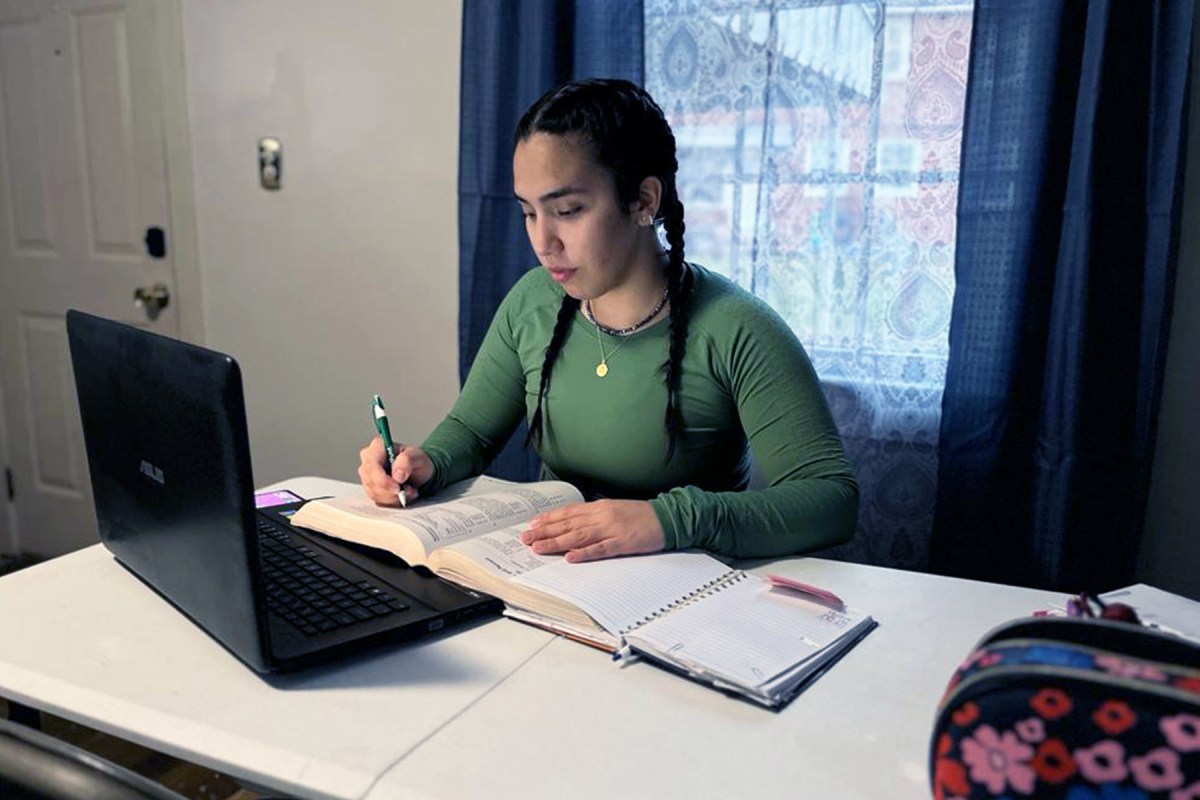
277 498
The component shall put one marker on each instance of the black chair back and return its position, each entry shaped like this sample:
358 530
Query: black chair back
36 766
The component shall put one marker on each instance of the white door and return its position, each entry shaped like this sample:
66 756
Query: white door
82 179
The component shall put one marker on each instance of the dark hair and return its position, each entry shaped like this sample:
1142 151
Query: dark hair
628 135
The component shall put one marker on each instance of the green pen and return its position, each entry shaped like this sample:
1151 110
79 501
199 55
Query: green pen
385 433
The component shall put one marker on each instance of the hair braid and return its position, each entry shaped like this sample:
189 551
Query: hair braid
566 312
679 285
626 133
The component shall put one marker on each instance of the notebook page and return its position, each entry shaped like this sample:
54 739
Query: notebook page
745 632
1162 610
620 592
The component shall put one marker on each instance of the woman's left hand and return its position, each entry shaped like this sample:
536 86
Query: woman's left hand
600 529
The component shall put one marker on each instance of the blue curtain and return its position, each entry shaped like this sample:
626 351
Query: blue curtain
1068 219
512 52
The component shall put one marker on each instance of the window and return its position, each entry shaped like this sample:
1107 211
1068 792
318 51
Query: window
819 148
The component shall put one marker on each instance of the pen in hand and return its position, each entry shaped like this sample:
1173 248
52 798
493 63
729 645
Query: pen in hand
385 433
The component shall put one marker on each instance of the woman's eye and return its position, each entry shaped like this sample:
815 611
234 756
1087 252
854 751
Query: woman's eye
569 212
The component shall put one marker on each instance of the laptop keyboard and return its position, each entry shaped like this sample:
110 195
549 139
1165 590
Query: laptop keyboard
309 595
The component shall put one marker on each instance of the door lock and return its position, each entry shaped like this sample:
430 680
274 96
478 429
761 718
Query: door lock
156 242
152 299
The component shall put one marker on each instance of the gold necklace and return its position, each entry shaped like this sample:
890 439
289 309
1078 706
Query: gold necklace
602 367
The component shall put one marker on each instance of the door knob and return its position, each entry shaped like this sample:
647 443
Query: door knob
152 299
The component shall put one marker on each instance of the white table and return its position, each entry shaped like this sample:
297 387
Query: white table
499 709
570 723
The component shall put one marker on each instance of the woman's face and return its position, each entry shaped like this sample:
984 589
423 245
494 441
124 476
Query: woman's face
581 236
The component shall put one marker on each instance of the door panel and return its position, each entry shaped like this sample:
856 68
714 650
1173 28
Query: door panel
82 176
58 467
29 220
107 126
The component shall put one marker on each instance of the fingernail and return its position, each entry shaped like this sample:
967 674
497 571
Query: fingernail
533 523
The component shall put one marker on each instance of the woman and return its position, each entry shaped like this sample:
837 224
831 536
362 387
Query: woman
643 377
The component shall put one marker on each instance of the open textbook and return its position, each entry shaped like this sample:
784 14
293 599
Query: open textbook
686 610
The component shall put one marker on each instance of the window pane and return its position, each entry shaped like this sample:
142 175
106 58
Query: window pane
819 147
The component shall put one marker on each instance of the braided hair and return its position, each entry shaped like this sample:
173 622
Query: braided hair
629 136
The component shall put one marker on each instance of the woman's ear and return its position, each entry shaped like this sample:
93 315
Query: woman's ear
645 208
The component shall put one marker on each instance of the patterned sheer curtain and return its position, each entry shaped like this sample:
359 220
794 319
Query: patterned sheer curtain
819 152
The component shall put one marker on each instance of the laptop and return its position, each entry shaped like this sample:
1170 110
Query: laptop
164 424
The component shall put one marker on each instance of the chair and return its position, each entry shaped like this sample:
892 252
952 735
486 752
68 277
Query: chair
36 766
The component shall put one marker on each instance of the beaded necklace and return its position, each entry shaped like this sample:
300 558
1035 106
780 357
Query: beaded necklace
602 367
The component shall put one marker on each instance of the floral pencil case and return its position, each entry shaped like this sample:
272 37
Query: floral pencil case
1077 709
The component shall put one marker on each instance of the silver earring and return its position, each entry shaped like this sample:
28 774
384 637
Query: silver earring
644 221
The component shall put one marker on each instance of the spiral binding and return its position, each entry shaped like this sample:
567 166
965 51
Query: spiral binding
717 584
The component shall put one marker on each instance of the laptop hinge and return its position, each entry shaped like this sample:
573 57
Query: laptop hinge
8 482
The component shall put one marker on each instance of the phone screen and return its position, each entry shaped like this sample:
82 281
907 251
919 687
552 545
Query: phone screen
276 498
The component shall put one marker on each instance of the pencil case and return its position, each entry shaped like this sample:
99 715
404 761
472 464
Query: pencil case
1078 709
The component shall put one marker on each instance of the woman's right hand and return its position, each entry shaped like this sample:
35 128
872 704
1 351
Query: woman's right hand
411 468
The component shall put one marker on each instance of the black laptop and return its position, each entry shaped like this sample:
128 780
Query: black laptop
165 427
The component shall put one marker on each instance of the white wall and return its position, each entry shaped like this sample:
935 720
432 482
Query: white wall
344 283
1170 554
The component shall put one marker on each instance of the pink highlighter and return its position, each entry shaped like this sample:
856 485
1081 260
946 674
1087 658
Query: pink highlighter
814 592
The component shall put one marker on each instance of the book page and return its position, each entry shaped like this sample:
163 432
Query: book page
500 553
441 524
621 592
589 635
745 632
355 518
495 561
465 510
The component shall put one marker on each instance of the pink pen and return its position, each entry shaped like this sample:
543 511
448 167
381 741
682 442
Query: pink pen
823 595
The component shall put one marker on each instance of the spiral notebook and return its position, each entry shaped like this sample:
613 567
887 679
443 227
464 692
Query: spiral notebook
689 612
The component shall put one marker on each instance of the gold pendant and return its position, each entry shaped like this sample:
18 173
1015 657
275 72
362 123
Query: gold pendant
601 369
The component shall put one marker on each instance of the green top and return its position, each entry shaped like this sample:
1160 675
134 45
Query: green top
747 386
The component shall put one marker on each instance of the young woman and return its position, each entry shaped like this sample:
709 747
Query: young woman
648 382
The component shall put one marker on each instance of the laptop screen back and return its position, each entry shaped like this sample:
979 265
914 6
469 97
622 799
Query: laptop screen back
165 429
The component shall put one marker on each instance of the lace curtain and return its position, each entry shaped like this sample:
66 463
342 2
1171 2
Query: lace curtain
819 153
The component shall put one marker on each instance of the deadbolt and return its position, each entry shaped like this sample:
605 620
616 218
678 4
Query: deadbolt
152 299
156 242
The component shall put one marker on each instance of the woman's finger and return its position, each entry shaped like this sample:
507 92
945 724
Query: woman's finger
605 548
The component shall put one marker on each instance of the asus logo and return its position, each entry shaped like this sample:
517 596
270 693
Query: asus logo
152 472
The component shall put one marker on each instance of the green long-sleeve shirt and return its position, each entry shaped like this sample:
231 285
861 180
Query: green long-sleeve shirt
747 387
